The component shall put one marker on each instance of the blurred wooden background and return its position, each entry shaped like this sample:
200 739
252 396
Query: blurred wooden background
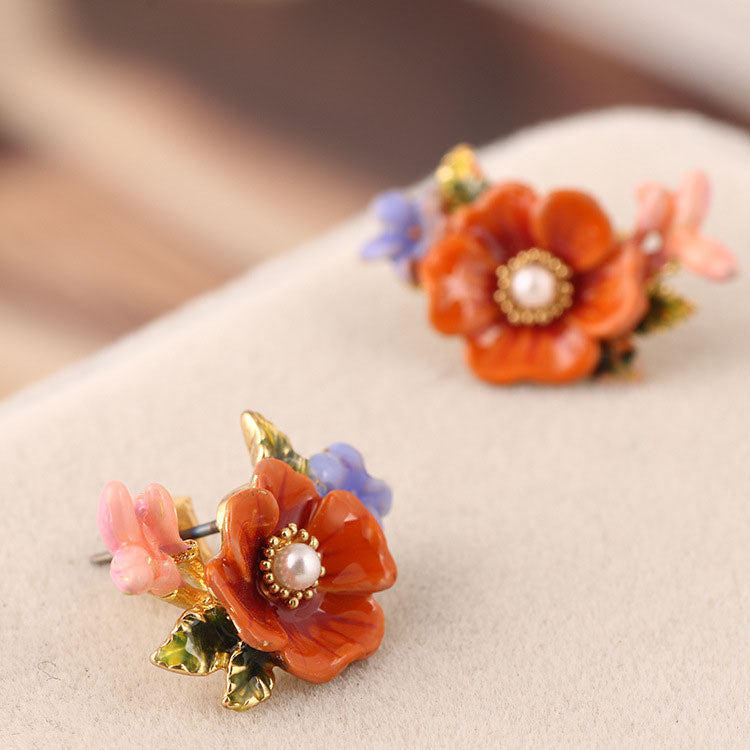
152 149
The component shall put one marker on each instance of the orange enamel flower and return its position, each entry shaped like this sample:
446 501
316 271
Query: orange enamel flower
296 572
533 284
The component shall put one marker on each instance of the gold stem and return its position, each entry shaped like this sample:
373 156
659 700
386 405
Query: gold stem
192 570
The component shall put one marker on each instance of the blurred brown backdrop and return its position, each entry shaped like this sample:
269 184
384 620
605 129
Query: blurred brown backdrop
151 149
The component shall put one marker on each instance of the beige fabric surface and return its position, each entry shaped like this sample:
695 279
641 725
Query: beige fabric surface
573 562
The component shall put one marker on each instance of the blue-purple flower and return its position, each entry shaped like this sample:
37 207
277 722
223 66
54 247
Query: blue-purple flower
341 467
409 226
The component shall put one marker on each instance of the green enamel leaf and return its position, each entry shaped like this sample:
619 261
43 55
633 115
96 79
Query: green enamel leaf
265 440
201 642
615 360
249 678
666 309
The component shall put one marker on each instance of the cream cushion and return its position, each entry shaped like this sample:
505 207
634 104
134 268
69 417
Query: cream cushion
574 562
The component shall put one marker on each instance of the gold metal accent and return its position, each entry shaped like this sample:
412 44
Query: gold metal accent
459 177
516 313
656 282
190 565
186 519
290 534
265 440
194 591
187 555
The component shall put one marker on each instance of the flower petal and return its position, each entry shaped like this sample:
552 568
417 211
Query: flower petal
692 200
255 618
344 629
505 214
384 246
557 353
167 577
328 470
702 255
295 493
654 207
156 512
118 524
458 274
250 516
352 546
131 569
376 496
394 208
572 226
350 456
610 300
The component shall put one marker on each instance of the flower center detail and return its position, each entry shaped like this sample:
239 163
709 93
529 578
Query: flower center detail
291 566
533 288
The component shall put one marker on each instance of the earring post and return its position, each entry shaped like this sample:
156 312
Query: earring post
194 532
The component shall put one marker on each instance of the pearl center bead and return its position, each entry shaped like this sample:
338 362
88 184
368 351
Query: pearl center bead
296 566
533 286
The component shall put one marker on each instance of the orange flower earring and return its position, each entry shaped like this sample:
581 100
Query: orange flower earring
540 286
302 552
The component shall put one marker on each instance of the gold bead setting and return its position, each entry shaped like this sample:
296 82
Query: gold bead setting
516 312
273 588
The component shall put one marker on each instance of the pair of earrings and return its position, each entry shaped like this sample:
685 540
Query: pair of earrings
541 288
